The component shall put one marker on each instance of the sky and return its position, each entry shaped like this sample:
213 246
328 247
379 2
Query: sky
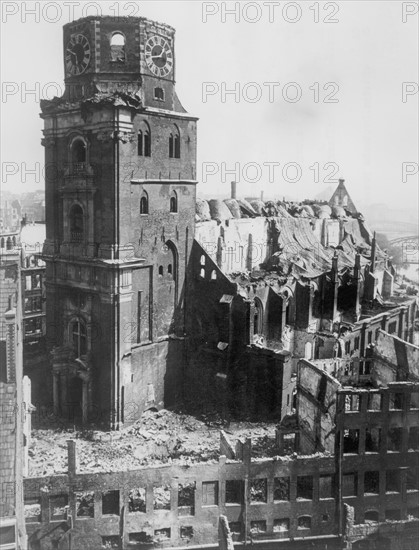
318 92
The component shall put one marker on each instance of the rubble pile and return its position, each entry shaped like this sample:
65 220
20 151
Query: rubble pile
158 437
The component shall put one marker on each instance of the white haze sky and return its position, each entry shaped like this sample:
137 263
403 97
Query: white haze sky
368 53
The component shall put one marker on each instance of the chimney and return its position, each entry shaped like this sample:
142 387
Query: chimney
233 189
373 251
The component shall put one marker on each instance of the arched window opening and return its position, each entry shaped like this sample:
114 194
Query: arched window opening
345 201
2 243
76 224
14 240
304 522
371 516
144 140
202 273
9 243
118 47
159 94
202 261
174 144
161 271
78 152
213 275
173 202
79 337
170 269
144 204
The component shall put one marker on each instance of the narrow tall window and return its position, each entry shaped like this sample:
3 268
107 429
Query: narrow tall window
78 151
144 203
79 337
174 143
173 202
144 140
76 224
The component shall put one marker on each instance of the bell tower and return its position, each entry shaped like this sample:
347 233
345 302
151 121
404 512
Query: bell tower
120 154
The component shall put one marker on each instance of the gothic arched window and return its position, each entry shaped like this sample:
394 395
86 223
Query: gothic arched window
78 335
144 203
76 223
173 202
144 140
174 143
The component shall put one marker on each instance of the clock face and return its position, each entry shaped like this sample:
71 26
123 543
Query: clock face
77 54
159 56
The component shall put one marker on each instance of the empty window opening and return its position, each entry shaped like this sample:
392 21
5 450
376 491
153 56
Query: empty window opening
202 273
110 503
144 141
78 152
234 491
414 400
325 518
258 318
76 224
304 522
58 506
412 480
413 513
281 525
395 439
396 401
110 541
393 515
144 204
393 481
258 490
326 487
161 498
161 271
235 527
374 402
170 269
140 538
350 441
210 493
202 260
186 499
352 403
282 488
173 202
85 505
32 510
186 532
258 526
369 337
372 440
349 485
305 487
213 275
371 516
136 500
413 442
372 483
392 327
118 47
162 534
159 94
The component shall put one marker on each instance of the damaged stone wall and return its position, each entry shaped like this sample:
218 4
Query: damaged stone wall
394 359
316 408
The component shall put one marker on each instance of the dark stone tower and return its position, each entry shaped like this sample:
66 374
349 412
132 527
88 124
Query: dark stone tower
120 155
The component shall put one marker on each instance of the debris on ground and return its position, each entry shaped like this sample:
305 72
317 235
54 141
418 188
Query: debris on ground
158 437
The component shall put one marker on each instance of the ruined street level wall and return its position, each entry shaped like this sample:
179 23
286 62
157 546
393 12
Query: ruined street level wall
276 507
